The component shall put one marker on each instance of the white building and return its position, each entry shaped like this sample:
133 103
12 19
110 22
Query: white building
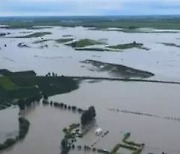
98 131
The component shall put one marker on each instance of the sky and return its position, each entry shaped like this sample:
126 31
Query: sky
88 7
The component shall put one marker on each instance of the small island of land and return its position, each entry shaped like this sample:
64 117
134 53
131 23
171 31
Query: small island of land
118 70
84 43
128 46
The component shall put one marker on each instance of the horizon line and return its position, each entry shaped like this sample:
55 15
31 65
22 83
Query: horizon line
124 15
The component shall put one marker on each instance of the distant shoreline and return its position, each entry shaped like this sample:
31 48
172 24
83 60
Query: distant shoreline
126 21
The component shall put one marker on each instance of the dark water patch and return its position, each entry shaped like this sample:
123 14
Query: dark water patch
26 32
96 56
64 40
23 45
145 114
9 59
4 34
171 45
52 58
42 41
93 49
43 46
94 81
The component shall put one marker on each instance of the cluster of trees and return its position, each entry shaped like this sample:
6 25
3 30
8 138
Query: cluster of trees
70 137
51 74
65 147
62 105
23 127
23 103
9 142
88 115
68 107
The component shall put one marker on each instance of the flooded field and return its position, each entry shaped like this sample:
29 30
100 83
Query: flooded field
43 57
150 111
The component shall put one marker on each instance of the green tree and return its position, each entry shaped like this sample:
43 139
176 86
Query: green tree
88 115
92 111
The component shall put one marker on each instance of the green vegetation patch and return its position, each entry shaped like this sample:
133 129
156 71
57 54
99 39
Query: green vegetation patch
27 84
118 70
7 84
88 115
6 72
70 135
158 22
83 43
36 86
136 148
82 46
115 149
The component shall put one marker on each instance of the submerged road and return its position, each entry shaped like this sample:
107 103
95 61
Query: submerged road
123 79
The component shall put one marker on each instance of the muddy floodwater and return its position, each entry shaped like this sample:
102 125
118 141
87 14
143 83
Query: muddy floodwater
150 111
160 59
156 132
